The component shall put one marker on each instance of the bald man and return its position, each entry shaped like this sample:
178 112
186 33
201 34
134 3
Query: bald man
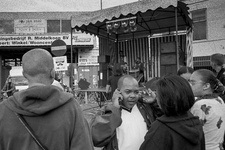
54 116
125 122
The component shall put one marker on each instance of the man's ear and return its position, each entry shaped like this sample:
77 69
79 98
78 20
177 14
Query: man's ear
206 86
52 73
24 74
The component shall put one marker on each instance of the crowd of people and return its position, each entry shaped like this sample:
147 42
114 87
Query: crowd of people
185 111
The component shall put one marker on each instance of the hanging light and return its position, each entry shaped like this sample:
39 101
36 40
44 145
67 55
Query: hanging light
133 26
109 28
132 22
124 25
121 25
116 26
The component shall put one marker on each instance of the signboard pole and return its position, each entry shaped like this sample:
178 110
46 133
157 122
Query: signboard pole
71 56
177 45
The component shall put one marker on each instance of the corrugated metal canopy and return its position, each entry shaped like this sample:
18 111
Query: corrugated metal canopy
152 16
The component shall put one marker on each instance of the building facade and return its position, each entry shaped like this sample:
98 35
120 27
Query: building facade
23 31
209 30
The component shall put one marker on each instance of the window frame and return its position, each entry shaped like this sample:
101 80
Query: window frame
204 20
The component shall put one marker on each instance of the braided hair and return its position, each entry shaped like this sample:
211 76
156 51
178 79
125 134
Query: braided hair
208 76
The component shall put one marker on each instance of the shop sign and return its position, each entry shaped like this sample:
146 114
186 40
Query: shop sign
87 57
30 26
43 40
60 63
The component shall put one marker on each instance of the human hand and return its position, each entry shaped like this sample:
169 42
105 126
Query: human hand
148 95
116 98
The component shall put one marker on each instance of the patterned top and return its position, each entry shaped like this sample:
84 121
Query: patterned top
211 112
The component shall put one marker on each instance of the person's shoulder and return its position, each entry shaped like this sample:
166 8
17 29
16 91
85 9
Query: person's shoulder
200 102
157 127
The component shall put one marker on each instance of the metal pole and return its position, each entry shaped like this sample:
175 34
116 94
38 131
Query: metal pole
177 46
71 56
101 4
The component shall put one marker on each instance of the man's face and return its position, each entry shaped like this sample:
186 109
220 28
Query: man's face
9 80
138 61
197 84
130 92
213 65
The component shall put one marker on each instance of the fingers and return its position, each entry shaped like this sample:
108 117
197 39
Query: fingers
116 98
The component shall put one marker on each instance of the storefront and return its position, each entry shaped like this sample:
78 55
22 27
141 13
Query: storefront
21 35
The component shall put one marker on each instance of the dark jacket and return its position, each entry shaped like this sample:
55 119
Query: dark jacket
221 77
55 117
103 127
175 133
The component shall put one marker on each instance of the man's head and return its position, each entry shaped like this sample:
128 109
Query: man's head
38 67
128 86
9 79
138 60
217 61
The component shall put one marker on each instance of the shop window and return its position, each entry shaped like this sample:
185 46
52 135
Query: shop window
53 26
6 26
199 20
66 26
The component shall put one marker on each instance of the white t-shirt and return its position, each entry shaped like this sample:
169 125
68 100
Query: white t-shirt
130 134
56 83
211 113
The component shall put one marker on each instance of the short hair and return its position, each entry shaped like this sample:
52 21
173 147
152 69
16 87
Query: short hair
208 76
175 96
37 61
218 59
117 70
185 69
121 80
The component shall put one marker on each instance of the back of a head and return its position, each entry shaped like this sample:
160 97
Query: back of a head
208 76
218 59
117 70
37 62
185 69
175 95
152 83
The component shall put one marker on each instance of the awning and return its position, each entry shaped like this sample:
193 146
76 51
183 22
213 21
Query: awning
152 17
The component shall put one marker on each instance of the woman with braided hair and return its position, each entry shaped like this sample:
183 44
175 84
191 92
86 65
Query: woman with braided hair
209 107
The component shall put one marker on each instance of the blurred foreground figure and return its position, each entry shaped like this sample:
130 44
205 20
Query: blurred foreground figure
54 116
177 129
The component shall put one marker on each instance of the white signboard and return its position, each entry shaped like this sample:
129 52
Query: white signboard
87 57
41 40
30 26
60 63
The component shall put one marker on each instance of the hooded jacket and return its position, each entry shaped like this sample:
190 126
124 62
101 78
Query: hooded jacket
175 133
54 116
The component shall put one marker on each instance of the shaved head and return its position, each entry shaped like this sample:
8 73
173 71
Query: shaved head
129 89
126 79
37 63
